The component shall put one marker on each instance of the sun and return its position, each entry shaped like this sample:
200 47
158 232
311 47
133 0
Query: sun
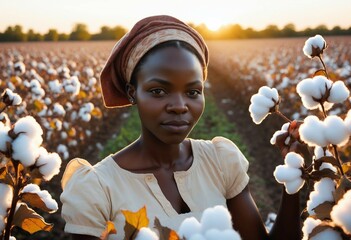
213 24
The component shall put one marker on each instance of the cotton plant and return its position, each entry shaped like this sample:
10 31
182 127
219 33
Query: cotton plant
311 147
23 159
215 223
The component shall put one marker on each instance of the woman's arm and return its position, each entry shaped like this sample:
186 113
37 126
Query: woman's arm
83 237
247 220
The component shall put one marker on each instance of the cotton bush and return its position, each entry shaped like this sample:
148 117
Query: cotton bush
341 213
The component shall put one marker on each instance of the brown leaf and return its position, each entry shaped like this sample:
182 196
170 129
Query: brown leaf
346 167
110 229
5 177
134 222
165 232
34 200
326 172
96 112
30 221
323 210
344 186
326 159
38 105
320 72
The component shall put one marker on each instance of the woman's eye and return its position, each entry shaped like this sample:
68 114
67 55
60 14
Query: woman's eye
194 93
158 92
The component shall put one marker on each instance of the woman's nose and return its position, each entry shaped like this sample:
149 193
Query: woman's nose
177 104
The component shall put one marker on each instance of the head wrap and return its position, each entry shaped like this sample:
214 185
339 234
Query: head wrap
125 55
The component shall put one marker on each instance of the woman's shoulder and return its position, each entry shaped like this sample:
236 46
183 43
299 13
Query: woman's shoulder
78 169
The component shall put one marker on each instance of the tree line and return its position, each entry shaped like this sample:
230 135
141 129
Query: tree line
80 32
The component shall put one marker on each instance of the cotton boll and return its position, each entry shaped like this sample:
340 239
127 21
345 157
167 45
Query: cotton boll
197 237
4 137
59 110
294 186
283 130
335 131
340 213
49 164
327 234
328 166
338 93
308 225
146 234
189 227
262 101
283 173
312 132
323 191
25 150
270 93
6 193
29 126
294 160
215 234
314 46
319 152
217 217
309 103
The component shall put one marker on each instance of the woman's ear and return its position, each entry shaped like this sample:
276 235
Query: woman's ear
130 90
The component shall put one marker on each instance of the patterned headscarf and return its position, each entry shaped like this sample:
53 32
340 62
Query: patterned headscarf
125 55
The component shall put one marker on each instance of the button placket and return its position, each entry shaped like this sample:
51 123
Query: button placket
151 181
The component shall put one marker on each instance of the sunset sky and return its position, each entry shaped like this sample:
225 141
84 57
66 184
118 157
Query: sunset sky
41 15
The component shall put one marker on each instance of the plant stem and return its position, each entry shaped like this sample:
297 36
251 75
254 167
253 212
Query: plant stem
338 158
283 116
325 69
17 187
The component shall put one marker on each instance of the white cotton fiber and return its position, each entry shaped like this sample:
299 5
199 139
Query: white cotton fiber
146 234
319 152
262 101
309 103
294 160
29 126
55 86
217 217
6 193
323 191
4 137
49 164
270 93
338 93
335 131
189 227
25 150
283 130
59 110
340 213
308 225
283 173
312 132
294 186
215 234
197 237
314 42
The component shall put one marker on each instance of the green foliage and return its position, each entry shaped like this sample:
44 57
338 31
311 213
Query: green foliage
213 123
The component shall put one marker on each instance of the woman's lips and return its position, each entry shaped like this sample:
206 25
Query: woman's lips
176 125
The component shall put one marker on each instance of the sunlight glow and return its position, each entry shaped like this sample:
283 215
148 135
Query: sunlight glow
214 24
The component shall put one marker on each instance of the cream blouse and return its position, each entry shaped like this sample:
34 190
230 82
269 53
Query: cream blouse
93 195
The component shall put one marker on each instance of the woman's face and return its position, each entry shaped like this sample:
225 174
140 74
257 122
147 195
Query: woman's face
169 94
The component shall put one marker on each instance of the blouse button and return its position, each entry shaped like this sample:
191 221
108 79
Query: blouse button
148 178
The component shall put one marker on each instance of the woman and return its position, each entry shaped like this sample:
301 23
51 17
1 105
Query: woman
160 67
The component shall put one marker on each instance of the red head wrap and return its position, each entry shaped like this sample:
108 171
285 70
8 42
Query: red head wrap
127 52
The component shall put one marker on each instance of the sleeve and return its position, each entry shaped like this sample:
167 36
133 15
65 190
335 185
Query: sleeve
85 205
233 164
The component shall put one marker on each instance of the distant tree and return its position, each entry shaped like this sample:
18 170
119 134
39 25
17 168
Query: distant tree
271 31
289 30
80 33
14 34
337 31
52 35
107 33
232 31
322 30
32 36
63 37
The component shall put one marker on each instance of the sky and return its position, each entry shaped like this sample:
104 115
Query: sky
62 15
